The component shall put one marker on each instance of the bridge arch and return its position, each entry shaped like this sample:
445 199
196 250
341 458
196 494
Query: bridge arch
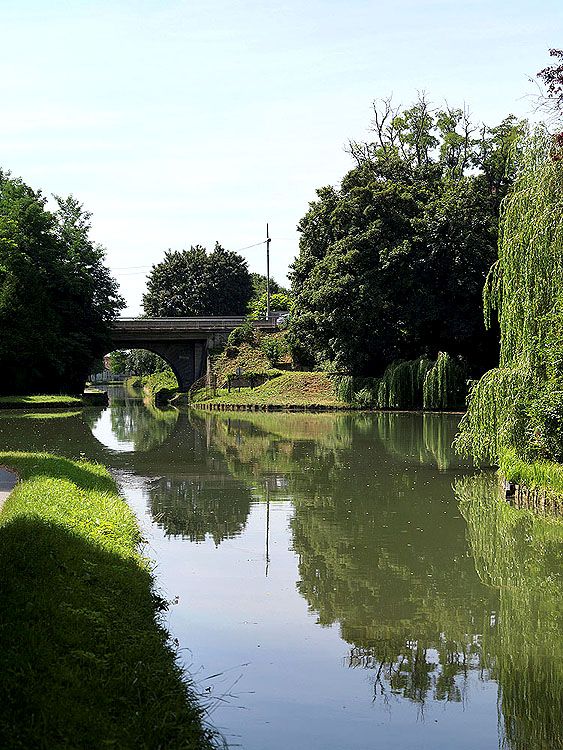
182 342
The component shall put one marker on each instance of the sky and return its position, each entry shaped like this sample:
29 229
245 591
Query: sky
178 122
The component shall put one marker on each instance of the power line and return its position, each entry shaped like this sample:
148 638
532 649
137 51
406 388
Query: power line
135 272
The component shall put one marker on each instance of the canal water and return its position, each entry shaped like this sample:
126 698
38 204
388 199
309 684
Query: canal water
336 581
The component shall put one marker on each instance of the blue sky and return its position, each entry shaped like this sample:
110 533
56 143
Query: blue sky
178 122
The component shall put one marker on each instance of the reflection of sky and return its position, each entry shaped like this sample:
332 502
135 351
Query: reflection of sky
102 430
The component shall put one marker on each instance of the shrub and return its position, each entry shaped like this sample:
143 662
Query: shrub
243 334
274 347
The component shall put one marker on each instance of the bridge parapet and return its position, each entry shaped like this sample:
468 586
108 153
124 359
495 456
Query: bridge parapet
129 329
182 342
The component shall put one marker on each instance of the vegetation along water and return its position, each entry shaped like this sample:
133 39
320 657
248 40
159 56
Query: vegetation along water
342 580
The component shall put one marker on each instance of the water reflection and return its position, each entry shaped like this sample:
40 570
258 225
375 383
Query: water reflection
132 424
432 591
520 555
378 546
197 507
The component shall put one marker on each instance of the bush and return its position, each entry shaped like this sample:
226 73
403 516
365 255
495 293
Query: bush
279 302
274 347
243 334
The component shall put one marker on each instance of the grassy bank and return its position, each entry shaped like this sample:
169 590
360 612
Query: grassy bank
160 386
291 389
84 662
46 401
538 475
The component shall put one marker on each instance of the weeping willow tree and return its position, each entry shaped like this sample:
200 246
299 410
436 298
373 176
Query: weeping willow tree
519 405
445 383
410 384
519 555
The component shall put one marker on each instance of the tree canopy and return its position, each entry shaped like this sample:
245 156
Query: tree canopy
57 299
518 405
194 282
392 262
516 409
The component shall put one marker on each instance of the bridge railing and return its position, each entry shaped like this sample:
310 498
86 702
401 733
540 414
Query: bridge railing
194 324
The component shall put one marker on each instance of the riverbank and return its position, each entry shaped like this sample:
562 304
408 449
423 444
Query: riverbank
537 485
43 401
290 390
84 660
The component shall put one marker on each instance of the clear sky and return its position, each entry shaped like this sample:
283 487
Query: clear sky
179 122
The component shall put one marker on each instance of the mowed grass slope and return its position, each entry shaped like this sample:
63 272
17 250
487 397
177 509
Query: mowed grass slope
48 401
290 389
84 662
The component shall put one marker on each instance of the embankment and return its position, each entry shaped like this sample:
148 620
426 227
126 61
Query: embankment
84 660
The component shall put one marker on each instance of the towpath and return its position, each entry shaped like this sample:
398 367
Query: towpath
7 482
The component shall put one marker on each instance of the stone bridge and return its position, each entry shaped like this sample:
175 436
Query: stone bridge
182 342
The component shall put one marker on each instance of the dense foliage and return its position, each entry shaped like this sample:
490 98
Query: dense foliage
136 362
409 384
392 263
193 282
57 299
279 302
520 403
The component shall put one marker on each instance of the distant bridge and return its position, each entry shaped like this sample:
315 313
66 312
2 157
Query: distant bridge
182 342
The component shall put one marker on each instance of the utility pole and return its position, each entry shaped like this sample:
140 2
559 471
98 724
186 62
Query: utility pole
268 240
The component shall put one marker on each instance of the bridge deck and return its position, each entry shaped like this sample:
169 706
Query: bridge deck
182 327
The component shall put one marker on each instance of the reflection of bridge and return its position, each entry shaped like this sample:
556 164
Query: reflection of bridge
182 342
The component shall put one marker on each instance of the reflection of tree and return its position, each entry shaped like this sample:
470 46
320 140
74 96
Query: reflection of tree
258 446
377 555
521 555
406 600
421 438
310 448
142 424
194 507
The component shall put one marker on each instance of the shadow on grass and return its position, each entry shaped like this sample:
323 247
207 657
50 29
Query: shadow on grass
83 662
32 465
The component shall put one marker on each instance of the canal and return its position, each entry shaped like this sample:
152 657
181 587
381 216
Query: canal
336 581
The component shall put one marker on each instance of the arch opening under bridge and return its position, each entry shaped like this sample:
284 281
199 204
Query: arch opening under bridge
182 342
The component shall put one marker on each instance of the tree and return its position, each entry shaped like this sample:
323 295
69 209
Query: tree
259 282
516 409
143 362
193 282
57 299
552 79
119 362
392 263
279 302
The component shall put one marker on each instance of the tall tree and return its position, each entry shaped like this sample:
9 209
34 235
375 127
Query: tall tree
392 263
57 299
193 282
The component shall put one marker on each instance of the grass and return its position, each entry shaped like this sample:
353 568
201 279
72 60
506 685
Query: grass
302 389
248 357
51 401
161 385
84 661
540 474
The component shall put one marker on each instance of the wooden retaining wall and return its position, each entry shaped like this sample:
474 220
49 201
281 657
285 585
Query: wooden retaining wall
544 501
270 407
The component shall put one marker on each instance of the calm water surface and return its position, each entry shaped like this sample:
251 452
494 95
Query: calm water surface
341 581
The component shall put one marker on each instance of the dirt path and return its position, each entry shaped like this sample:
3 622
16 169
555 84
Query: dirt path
7 481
